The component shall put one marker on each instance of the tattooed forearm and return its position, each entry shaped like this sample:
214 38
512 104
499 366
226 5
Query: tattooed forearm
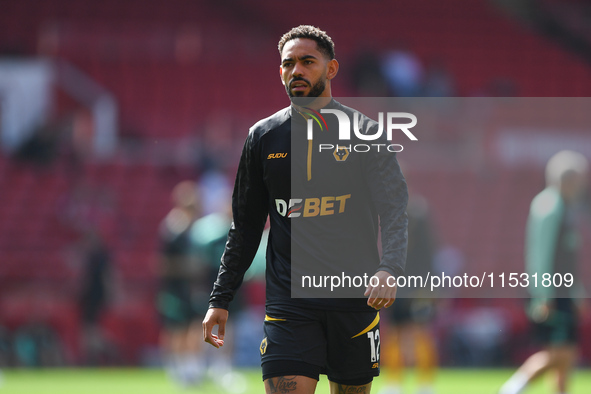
282 384
343 389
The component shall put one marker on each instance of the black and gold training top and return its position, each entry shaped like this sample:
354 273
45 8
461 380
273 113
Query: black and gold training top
325 204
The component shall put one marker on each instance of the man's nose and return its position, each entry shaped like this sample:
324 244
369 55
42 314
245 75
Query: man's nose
297 70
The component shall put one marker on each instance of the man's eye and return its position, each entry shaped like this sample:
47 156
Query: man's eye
308 62
286 65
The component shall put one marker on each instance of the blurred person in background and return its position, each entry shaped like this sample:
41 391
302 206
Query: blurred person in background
408 338
208 237
97 289
177 300
552 243
403 71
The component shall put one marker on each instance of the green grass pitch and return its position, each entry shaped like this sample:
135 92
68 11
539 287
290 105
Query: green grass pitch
152 381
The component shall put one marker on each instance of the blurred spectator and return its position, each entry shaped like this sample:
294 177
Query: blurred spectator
208 237
97 288
403 71
179 298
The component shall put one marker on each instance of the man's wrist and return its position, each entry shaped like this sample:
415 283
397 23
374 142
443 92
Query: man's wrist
219 304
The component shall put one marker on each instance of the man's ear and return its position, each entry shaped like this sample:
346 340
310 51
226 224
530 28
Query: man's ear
281 75
332 69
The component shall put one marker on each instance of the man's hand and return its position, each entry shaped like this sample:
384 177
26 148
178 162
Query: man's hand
215 317
381 295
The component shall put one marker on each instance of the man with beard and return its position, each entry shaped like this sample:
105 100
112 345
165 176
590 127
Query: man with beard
306 337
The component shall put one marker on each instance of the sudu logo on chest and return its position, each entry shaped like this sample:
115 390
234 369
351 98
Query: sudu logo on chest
277 156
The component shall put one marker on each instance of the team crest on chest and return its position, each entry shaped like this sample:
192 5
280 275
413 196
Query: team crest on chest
341 153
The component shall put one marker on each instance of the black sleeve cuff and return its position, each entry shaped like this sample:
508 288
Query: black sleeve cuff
219 304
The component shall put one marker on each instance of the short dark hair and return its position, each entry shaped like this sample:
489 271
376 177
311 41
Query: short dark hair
323 41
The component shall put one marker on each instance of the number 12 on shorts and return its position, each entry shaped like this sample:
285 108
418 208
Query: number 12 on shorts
374 344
